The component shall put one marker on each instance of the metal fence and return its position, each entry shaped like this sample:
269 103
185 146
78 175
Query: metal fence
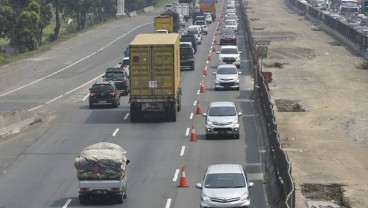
280 182
343 29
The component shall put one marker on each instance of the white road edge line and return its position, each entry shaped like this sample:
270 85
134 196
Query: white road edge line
82 59
115 132
176 175
54 99
191 116
126 116
35 108
187 132
84 84
85 97
67 203
168 202
198 92
182 150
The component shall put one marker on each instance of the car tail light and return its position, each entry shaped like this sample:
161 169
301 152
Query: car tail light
115 189
112 94
92 94
84 189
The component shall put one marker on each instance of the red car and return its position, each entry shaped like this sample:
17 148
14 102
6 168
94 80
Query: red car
228 37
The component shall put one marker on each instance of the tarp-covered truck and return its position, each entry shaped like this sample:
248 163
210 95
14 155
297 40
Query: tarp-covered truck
208 6
155 76
101 170
168 20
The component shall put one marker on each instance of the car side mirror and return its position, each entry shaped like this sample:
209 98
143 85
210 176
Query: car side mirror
251 184
239 72
218 52
103 76
214 73
199 186
127 162
240 52
90 89
204 114
240 114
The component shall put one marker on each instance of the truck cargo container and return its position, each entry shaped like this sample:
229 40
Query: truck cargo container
168 20
183 9
208 6
155 76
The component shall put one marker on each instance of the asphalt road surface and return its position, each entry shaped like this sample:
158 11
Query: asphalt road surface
37 168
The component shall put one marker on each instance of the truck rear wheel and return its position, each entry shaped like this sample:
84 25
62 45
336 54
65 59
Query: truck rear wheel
133 114
173 113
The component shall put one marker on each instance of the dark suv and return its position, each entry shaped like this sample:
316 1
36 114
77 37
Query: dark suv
228 36
119 77
190 38
104 93
186 57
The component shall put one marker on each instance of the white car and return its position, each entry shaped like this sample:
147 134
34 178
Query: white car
227 77
168 7
229 55
231 14
203 25
196 31
181 21
230 9
125 65
233 24
208 17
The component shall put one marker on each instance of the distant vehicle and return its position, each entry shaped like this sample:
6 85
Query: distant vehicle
195 14
227 77
120 79
208 17
231 14
208 6
228 36
190 38
222 118
233 24
125 65
184 10
101 172
230 9
348 7
203 25
168 6
195 30
229 55
162 31
104 93
181 21
167 20
225 185
187 56
199 18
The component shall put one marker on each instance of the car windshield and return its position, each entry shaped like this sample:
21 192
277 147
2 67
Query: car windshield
228 32
225 180
125 62
114 76
200 23
227 70
186 52
194 32
230 18
222 111
230 23
229 51
102 88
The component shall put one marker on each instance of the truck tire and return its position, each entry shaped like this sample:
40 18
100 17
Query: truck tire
133 114
173 113
179 102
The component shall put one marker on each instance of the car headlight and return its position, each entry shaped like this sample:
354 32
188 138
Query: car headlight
205 198
235 121
209 122
244 197
238 58
237 81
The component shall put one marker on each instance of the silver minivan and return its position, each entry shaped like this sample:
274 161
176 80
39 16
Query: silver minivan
222 118
225 185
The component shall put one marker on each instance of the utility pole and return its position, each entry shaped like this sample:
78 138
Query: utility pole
120 7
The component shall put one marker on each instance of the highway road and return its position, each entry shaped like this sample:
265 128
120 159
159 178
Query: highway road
37 168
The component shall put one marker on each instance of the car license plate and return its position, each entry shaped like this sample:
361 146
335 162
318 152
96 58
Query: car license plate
102 101
99 191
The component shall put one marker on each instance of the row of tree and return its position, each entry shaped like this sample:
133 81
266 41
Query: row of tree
23 21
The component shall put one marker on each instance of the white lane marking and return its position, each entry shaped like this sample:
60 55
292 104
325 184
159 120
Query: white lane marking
191 116
182 150
198 92
126 116
115 132
195 103
84 84
85 97
187 132
67 203
207 62
82 59
35 108
54 99
176 175
168 202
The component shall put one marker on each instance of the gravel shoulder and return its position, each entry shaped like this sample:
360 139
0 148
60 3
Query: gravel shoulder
326 141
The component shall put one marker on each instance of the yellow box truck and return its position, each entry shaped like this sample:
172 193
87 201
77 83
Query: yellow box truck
154 76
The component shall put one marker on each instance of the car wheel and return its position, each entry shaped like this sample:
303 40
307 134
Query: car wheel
90 105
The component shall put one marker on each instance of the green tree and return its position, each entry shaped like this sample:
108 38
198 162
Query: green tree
6 18
25 29
45 19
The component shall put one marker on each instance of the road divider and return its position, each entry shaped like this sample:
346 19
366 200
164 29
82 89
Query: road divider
16 121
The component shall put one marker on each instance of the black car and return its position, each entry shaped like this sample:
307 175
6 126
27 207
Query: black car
190 38
120 77
228 36
104 93
186 57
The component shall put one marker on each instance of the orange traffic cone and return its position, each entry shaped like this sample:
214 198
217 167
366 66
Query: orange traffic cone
213 49
183 179
205 72
202 90
199 110
193 136
209 57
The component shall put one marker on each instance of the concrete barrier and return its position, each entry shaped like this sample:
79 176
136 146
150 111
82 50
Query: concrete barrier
132 14
15 121
148 9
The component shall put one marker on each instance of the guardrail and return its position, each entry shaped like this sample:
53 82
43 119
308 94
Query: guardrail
281 190
345 33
